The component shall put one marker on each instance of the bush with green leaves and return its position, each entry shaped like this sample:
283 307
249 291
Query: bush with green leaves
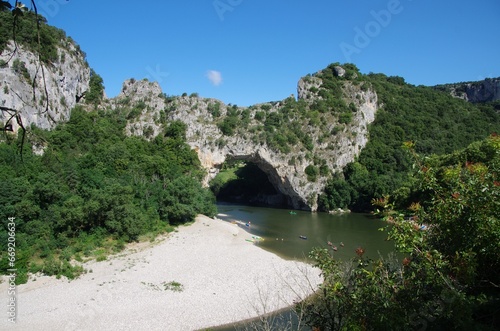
96 90
358 294
94 185
312 173
445 276
19 67
214 109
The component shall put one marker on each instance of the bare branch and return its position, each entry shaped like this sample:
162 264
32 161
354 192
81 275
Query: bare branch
18 10
40 64
19 121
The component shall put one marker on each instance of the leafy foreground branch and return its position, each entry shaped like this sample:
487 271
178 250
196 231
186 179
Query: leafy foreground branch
448 278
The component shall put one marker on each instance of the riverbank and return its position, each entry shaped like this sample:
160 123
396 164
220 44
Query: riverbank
204 275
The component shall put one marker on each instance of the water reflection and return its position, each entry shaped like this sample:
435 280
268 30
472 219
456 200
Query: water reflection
282 230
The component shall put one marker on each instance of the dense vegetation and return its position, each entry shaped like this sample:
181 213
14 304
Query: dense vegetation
448 278
24 31
95 189
437 122
280 125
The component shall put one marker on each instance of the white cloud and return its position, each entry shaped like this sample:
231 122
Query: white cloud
215 77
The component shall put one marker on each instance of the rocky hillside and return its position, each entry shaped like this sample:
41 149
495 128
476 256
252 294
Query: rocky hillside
295 144
335 144
43 93
486 90
43 72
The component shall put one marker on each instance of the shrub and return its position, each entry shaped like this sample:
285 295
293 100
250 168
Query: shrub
312 173
260 115
19 68
96 89
265 107
345 118
214 109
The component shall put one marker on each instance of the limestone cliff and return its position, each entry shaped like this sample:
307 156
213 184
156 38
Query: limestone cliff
325 142
476 92
42 93
298 143
147 105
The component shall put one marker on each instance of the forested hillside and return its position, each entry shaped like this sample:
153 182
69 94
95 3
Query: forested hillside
434 120
86 187
94 189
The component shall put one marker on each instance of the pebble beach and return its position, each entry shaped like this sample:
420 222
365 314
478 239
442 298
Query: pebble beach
203 275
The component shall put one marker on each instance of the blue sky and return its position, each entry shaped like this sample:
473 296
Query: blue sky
250 51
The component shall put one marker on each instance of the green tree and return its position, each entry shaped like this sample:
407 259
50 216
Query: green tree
337 194
458 198
183 199
312 173
447 277
96 89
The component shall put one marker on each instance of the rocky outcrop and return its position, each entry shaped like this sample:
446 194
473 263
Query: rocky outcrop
476 92
339 71
331 143
147 103
483 91
43 94
285 171
308 88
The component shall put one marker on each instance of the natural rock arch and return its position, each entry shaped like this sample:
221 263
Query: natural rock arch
286 171
263 159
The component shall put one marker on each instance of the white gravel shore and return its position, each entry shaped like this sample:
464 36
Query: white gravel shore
223 279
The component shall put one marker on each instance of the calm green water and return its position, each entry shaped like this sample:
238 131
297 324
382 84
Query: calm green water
281 231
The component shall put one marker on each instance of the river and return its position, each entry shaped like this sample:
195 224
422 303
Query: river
281 230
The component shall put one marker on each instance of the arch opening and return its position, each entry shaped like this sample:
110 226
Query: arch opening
244 182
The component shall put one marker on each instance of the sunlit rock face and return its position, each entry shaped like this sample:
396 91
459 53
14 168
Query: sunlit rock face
486 90
285 170
483 91
42 94
331 144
